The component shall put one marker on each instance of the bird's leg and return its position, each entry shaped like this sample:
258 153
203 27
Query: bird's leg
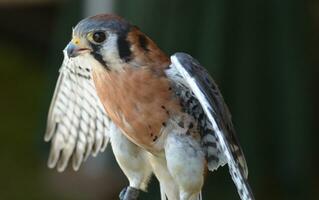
169 189
185 162
134 163
129 193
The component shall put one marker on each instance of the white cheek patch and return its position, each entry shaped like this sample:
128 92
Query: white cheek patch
110 53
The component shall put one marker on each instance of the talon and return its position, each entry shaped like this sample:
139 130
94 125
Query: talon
129 193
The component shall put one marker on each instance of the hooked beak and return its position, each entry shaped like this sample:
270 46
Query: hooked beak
75 48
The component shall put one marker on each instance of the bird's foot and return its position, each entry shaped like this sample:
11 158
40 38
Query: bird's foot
129 193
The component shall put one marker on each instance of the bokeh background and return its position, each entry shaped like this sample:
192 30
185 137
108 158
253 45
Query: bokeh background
262 53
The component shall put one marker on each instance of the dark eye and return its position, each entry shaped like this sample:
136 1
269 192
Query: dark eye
99 37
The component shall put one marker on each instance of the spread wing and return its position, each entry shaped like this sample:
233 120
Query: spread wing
77 124
202 98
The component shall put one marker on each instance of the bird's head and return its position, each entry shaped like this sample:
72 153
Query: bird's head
112 41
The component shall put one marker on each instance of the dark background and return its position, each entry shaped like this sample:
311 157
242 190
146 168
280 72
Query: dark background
262 53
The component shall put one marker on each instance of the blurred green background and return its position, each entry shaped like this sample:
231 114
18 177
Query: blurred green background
262 53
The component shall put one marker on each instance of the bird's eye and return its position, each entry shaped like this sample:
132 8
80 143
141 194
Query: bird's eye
99 37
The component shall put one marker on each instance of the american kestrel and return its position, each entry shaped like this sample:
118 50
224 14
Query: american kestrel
163 116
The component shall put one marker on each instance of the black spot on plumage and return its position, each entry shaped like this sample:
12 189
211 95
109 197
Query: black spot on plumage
155 138
181 124
143 42
210 144
164 124
163 107
187 94
189 101
81 75
201 116
124 47
191 125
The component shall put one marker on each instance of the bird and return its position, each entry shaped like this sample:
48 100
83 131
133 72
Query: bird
161 115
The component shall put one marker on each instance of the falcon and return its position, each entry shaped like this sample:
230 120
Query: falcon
162 115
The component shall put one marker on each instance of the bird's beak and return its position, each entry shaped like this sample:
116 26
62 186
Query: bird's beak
76 47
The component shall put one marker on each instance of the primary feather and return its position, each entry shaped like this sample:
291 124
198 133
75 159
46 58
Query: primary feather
77 123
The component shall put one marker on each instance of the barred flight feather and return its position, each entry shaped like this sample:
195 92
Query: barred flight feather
77 124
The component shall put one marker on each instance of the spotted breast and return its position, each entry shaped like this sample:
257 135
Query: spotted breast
138 100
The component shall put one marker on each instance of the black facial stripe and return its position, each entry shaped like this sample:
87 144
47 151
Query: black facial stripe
97 55
124 47
143 42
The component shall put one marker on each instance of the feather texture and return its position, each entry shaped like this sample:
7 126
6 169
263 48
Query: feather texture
190 77
77 124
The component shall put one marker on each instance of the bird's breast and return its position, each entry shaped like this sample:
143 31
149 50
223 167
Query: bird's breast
139 101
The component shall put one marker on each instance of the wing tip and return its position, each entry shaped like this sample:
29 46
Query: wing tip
76 164
58 157
47 137
49 133
51 163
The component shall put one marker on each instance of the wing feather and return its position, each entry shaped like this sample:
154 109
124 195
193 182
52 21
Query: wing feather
195 78
77 124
